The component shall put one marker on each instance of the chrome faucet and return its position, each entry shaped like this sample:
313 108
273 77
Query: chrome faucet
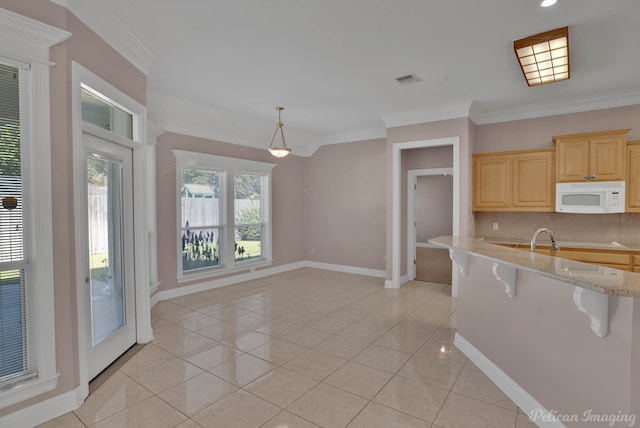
554 246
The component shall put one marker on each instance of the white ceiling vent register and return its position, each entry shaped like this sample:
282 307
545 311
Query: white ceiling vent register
408 79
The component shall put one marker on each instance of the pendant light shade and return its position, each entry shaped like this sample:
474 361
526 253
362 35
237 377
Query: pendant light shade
280 150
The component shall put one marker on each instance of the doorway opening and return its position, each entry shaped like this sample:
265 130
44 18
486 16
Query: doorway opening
430 212
460 218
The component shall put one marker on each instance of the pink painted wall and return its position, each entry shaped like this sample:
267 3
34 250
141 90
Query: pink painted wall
430 194
344 204
330 203
430 157
287 200
88 49
545 344
434 207
536 133
635 356
462 128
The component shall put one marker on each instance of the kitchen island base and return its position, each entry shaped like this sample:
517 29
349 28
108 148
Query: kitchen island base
538 347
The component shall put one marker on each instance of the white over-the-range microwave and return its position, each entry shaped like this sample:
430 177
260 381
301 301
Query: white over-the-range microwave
593 197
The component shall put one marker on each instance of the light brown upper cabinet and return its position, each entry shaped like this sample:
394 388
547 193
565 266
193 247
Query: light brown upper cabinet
491 182
633 176
514 181
595 156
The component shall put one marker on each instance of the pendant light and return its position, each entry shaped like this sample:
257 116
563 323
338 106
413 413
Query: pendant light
282 150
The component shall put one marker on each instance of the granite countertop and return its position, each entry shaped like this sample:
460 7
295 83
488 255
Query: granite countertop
543 241
585 275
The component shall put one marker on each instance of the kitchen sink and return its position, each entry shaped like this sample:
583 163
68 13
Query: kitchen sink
587 244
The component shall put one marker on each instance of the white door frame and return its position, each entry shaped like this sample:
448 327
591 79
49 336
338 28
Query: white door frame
396 192
144 333
412 180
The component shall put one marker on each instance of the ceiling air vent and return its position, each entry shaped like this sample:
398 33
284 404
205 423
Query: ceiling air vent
408 79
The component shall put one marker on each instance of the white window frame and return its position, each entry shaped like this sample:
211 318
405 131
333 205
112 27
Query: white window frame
25 43
265 220
227 167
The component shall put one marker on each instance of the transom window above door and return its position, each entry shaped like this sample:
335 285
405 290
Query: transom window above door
106 114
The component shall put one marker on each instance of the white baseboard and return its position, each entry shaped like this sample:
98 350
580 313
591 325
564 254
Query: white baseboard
427 245
153 287
208 285
346 269
44 411
155 298
216 283
515 392
390 284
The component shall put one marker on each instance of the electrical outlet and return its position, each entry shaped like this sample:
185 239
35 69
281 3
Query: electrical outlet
313 251
496 226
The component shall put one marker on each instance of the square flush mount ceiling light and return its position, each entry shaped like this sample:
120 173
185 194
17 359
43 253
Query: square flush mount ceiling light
544 57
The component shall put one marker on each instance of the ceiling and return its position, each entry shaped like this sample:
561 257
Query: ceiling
218 69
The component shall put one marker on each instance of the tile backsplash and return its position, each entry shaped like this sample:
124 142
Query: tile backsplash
623 228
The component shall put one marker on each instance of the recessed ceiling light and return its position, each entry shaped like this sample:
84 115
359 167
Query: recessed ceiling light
547 3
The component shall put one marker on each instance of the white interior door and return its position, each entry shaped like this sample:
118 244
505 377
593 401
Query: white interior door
109 252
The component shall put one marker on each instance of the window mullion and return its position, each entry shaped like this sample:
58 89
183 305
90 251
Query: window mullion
229 219
265 200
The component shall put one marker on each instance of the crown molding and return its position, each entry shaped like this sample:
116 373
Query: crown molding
367 134
229 136
174 114
210 132
182 116
153 131
101 21
27 39
413 117
554 108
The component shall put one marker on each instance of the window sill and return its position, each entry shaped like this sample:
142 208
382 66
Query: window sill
214 272
27 389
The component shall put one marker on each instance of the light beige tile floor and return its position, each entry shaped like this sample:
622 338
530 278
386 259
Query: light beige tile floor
305 348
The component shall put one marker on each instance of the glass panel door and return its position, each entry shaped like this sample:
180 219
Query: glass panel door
109 255
104 203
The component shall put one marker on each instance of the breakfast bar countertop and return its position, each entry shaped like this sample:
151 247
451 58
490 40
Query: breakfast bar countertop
524 242
592 277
